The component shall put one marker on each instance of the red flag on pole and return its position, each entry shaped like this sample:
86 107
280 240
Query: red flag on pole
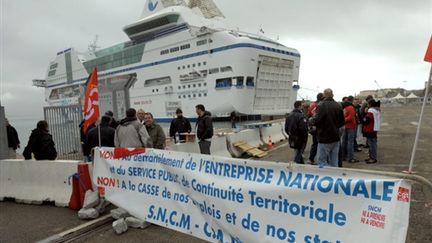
91 101
428 56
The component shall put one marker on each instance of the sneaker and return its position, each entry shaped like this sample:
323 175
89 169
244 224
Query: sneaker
354 161
371 161
358 150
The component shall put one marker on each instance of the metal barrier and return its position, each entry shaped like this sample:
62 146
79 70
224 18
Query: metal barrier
63 124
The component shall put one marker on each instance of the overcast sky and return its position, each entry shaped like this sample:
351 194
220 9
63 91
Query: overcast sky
345 45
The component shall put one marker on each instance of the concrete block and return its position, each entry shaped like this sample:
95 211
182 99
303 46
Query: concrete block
91 199
119 213
136 223
120 226
88 213
102 205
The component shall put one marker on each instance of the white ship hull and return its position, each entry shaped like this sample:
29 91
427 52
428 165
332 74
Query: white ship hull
223 70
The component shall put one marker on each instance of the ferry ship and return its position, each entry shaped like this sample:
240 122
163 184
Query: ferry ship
180 54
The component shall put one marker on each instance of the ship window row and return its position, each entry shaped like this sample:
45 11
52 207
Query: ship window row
192 86
175 49
192 65
192 95
201 42
157 81
65 92
224 83
53 66
52 73
222 70
125 57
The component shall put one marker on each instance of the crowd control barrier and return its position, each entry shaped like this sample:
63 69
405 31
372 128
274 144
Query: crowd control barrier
34 182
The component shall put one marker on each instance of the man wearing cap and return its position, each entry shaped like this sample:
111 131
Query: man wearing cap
179 125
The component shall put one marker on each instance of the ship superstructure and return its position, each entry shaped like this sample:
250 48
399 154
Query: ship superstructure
179 55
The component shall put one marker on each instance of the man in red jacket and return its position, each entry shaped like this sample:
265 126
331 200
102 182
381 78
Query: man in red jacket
350 131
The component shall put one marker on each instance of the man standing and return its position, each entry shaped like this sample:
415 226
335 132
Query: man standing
130 133
311 112
40 144
141 116
179 125
350 130
371 126
296 126
13 140
155 132
113 123
204 127
107 134
329 119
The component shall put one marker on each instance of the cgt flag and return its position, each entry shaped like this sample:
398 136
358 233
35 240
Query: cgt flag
428 55
91 101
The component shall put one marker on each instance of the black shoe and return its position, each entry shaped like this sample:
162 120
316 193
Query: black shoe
371 161
354 161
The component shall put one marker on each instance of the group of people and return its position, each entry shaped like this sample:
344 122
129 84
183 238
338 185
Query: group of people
335 128
139 129
40 143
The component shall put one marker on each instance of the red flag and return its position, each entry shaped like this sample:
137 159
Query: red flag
123 152
91 101
428 56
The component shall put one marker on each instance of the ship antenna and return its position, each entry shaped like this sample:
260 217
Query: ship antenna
92 47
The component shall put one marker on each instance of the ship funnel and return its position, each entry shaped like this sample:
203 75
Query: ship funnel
153 6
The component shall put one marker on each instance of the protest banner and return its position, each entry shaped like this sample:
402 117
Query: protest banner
229 200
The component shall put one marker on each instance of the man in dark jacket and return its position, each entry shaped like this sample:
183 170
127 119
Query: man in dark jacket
107 134
40 144
83 139
296 126
155 132
311 112
329 119
13 140
204 127
179 125
113 123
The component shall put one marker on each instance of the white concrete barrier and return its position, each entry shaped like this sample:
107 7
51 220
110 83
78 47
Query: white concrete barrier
251 136
34 182
218 147
274 131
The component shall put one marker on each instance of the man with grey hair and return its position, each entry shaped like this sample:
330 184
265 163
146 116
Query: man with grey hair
329 118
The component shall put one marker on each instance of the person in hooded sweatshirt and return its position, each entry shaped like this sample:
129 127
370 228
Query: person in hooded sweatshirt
371 126
131 133
204 127
40 144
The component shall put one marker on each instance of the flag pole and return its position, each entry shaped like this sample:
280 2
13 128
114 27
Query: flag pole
420 122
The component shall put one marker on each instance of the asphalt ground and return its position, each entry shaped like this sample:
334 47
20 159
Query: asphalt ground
29 223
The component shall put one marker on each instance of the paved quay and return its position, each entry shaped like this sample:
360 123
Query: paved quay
29 223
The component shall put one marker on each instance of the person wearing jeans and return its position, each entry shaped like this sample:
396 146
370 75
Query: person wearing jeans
296 126
371 126
328 154
328 120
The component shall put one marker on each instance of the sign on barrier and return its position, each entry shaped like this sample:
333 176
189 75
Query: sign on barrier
229 200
